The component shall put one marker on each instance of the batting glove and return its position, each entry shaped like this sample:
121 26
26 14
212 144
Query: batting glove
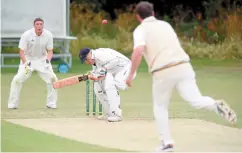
100 73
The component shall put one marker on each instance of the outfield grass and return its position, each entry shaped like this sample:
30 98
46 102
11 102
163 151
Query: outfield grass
16 138
215 78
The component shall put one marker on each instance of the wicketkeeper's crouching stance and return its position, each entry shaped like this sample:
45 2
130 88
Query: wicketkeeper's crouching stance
111 68
36 47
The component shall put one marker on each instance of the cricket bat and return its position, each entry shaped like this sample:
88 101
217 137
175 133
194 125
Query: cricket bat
70 81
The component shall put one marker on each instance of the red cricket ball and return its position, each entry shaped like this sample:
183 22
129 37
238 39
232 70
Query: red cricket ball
104 21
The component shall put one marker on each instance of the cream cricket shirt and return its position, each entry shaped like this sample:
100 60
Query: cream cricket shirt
35 47
161 43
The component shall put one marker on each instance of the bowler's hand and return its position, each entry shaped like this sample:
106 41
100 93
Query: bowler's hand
129 80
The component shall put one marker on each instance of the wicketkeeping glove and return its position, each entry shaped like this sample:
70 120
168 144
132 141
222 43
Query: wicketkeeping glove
47 63
27 67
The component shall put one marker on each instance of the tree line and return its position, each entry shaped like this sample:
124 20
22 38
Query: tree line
164 7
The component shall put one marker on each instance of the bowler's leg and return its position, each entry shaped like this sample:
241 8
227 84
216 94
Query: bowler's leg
189 91
16 86
162 91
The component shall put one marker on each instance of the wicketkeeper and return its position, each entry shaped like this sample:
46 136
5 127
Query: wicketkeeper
36 50
112 69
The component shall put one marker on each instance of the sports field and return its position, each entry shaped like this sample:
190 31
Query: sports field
67 128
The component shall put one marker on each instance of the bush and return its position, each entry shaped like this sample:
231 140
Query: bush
86 25
231 48
218 25
215 38
120 43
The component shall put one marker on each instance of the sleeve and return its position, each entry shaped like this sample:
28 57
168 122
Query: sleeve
23 42
50 42
111 64
107 59
138 37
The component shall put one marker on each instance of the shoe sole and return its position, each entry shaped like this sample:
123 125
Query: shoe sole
50 107
102 118
168 150
13 108
226 112
114 120
165 150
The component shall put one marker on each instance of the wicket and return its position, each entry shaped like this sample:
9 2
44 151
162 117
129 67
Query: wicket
93 99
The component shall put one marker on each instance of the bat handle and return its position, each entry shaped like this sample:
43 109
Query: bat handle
83 78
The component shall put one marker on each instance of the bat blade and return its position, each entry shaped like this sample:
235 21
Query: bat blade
69 81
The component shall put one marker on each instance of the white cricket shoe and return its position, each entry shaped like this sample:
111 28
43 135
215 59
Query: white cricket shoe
12 106
115 117
51 106
165 148
102 117
226 112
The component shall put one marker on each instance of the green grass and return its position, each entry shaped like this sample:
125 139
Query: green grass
218 79
16 138
80 68
215 78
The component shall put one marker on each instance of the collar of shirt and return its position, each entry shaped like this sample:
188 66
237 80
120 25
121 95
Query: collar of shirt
149 19
33 31
93 52
93 56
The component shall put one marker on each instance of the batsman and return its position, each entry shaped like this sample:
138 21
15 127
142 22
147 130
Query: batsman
112 69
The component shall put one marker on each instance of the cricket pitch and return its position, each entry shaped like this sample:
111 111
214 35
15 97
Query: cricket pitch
140 135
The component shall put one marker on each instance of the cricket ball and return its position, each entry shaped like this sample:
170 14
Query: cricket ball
104 21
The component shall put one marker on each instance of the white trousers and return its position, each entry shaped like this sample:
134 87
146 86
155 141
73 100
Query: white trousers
46 74
110 86
181 77
102 96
